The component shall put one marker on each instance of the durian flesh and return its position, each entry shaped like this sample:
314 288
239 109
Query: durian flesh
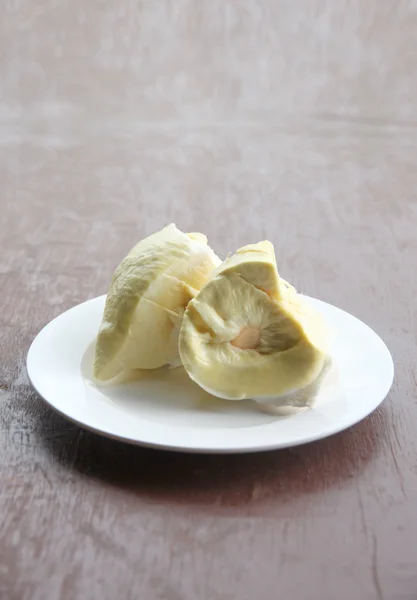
248 334
145 304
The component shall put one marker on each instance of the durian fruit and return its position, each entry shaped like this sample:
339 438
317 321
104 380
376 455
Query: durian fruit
249 334
145 304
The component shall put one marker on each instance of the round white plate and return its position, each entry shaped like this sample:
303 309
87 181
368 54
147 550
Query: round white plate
165 409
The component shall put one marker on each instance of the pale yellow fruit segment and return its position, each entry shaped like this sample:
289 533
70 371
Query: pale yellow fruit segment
146 301
248 334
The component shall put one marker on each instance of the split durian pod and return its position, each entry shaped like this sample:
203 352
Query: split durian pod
238 329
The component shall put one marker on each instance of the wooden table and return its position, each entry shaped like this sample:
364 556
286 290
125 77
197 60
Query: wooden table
251 119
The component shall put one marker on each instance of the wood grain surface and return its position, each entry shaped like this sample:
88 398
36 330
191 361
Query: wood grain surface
247 119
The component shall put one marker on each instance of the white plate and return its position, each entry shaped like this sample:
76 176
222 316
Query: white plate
165 409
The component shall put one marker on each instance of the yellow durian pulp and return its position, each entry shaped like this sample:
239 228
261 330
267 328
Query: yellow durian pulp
249 334
146 301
